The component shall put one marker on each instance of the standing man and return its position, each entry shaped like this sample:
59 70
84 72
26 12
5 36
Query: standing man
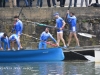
72 22
14 38
60 24
4 39
44 37
53 2
18 27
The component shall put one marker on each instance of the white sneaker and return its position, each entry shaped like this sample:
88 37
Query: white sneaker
13 48
18 48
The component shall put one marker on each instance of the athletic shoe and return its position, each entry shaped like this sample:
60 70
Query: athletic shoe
65 47
77 46
13 49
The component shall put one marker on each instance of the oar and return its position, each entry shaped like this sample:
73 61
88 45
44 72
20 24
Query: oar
90 58
81 34
40 24
40 40
30 36
87 35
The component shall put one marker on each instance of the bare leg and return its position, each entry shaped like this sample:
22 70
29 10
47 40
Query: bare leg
14 2
58 38
69 39
10 4
61 37
77 41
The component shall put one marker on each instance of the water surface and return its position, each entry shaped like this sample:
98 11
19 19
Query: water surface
50 68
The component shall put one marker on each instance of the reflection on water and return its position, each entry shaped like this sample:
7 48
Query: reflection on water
97 68
50 68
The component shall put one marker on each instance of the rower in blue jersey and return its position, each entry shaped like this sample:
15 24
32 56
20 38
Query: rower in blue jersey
71 19
4 39
60 24
14 38
18 27
44 37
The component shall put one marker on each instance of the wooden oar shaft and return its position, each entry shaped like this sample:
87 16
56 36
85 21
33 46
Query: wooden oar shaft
39 24
30 36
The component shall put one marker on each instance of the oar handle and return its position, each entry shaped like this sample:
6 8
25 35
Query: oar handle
55 45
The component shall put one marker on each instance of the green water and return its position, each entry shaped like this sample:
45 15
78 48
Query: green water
50 68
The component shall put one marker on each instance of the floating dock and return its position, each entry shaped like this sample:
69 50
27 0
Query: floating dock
86 50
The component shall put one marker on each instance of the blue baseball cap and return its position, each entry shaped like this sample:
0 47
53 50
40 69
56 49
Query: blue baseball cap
56 14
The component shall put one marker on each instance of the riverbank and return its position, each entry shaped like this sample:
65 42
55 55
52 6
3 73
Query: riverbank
88 22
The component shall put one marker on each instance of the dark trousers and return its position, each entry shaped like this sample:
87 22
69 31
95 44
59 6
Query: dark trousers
62 3
91 1
97 1
2 3
39 3
75 3
30 2
49 4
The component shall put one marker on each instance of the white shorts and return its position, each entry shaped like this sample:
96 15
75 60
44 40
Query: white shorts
73 29
60 32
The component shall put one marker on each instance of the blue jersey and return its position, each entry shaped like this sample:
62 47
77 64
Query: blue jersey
4 40
18 27
72 21
59 23
45 36
15 37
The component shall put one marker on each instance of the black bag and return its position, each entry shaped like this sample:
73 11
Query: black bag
95 5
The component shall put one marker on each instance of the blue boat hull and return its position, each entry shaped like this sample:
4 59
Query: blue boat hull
50 54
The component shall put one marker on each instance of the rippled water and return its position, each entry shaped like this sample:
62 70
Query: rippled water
50 68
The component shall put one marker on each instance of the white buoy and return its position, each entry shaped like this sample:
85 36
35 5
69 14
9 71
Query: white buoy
97 55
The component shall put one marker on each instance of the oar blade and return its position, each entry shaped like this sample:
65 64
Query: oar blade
85 35
90 58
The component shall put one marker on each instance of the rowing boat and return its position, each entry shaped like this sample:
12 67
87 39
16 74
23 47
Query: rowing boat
50 54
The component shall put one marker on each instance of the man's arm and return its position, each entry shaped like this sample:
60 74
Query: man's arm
68 15
63 24
52 38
